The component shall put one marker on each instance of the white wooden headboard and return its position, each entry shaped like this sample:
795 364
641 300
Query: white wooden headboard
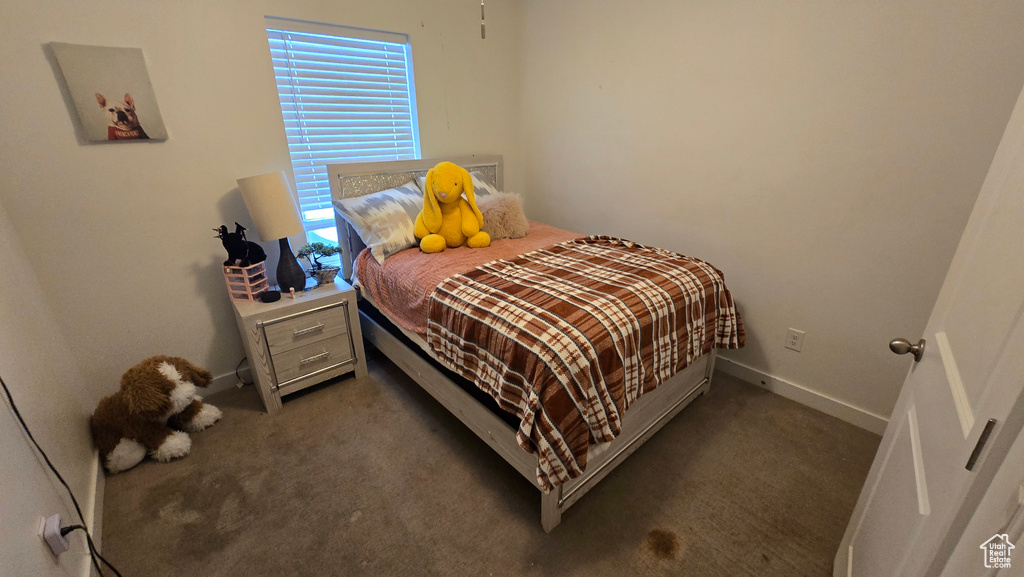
362 178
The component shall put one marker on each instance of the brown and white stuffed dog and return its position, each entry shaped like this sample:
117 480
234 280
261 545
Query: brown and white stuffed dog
150 413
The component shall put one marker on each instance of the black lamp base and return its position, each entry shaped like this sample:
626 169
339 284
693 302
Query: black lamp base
289 274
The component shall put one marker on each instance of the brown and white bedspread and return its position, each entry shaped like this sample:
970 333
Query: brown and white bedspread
402 285
569 336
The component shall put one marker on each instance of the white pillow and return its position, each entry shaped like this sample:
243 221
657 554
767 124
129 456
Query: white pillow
384 220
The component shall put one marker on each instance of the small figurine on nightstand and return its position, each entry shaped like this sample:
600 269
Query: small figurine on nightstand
241 252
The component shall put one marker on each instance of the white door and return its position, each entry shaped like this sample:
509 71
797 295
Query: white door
1000 512
972 370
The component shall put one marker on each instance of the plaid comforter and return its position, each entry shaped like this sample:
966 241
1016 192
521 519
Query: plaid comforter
569 336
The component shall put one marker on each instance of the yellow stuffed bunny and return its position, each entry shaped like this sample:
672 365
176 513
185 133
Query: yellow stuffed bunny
448 220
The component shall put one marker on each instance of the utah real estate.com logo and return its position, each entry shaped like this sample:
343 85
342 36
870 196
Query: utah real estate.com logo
997 551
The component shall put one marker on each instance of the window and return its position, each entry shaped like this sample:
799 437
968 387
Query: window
347 95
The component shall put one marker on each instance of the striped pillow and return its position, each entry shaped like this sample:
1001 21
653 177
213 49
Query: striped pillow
480 186
384 220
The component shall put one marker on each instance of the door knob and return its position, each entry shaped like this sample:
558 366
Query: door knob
903 346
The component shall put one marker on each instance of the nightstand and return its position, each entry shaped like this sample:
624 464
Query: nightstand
294 344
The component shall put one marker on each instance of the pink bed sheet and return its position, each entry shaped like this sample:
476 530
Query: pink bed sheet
402 285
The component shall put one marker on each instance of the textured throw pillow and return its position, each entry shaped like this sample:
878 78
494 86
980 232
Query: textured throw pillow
480 186
384 220
503 215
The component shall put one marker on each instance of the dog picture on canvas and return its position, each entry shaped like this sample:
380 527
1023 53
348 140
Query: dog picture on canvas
122 121
111 91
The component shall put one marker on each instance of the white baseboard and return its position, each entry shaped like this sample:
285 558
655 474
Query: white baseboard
225 382
94 511
813 399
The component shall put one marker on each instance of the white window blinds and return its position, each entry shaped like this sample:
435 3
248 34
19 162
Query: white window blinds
347 95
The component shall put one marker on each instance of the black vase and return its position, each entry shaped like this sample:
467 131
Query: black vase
289 274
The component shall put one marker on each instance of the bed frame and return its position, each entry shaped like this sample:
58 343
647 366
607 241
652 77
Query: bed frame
644 418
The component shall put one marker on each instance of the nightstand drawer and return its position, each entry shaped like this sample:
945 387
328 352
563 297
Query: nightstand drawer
307 327
307 359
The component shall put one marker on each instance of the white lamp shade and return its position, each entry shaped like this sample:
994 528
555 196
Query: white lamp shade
271 205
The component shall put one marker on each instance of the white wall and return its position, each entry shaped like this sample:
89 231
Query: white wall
824 155
53 398
794 145
120 234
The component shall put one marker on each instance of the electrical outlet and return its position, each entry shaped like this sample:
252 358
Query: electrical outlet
51 535
795 340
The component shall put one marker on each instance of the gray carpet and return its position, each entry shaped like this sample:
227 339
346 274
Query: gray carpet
373 477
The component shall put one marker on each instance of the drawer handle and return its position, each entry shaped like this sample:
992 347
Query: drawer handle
322 356
308 330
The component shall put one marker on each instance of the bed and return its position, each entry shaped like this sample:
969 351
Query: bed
407 347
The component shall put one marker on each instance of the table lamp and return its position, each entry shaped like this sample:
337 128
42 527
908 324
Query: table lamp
276 216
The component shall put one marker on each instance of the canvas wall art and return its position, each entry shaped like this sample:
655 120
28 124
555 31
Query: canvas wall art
110 88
